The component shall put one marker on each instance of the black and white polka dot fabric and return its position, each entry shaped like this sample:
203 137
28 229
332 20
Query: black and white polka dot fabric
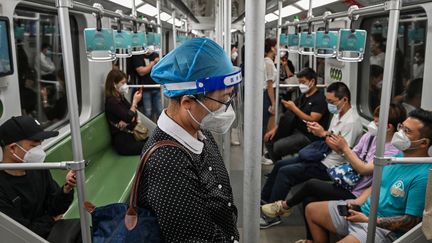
190 194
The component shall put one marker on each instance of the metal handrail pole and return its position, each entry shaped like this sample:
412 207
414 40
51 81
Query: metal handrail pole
72 101
393 23
226 138
278 66
145 86
34 166
254 67
174 29
365 10
297 85
159 31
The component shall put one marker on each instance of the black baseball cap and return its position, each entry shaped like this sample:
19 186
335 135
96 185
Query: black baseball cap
20 128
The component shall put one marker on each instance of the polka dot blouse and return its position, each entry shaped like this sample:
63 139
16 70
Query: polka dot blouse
189 193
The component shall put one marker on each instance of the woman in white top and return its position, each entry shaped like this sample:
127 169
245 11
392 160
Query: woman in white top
270 74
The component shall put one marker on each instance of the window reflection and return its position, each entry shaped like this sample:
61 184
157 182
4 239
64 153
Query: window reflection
408 67
40 66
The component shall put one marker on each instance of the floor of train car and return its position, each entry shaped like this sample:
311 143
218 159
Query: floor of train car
289 231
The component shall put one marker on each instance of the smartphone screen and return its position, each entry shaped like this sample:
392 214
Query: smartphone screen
343 210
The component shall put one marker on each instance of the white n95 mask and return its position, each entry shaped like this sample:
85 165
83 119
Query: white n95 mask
124 89
372 128
33 155
218 121
303 88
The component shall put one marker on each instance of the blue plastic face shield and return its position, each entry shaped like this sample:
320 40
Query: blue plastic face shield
206 85
198 66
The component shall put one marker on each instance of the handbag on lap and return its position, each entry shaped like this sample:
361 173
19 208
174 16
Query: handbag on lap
125 222
314 152
345 175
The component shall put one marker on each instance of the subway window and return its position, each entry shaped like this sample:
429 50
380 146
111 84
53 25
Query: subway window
409 62
41 74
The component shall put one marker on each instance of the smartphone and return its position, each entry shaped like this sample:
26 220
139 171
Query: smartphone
343 210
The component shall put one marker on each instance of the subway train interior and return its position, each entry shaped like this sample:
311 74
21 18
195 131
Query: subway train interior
55 56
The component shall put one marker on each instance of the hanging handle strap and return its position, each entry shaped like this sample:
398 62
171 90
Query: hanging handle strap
131 218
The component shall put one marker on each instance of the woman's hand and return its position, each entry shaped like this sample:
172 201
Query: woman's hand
137 97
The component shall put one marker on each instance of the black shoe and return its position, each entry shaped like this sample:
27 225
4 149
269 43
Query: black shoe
269 222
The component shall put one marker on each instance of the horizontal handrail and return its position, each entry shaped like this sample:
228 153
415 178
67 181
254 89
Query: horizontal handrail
144 86
297 85
383 161
64 165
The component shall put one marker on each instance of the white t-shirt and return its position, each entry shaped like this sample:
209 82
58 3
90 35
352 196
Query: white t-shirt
377 60
418 70
350 128
270 72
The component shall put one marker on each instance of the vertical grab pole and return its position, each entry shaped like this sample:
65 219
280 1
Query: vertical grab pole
159 30
393 23
278 66
254 60
173 16
63 12
226 139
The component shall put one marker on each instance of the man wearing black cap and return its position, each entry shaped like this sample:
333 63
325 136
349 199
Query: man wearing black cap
31 197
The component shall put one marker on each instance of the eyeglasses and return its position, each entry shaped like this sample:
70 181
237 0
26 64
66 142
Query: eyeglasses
226 104
405 129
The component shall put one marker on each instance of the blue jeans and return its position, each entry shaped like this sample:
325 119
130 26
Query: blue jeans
288 173
152 103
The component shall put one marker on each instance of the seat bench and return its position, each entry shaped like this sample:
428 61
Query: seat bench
109 176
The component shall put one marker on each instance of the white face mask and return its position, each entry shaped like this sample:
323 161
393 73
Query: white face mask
372 128
218 121
304 88
124 89
234 55
401 141
33 155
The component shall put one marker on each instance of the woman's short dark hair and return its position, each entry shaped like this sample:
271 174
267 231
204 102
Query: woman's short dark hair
397 114
340 90
308 73
268 44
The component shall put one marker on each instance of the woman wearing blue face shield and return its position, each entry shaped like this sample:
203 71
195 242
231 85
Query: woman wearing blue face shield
188 187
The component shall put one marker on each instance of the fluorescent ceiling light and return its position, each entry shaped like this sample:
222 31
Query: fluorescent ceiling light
271 17
178 22
164 16
148 10
288 11
315 3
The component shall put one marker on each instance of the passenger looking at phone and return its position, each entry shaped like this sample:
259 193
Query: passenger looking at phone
292 134
121 115
360 158
293 171
32 197
402 197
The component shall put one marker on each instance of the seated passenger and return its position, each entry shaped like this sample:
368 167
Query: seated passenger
412 99
189 189
402 196
121 115
361 159
290 172
289 138
31 197
54 101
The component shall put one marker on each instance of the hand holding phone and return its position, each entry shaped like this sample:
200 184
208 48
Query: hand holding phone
344 209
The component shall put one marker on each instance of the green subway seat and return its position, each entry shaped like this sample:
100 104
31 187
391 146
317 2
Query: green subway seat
108 174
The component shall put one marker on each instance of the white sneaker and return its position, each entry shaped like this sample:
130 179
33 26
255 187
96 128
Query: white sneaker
266 161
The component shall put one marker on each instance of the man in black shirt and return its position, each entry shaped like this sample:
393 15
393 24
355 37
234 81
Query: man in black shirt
31 197
142 66
292 135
